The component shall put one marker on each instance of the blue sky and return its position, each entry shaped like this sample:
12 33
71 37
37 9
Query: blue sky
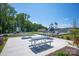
45 13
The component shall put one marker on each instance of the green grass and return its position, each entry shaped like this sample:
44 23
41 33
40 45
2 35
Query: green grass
2 46
25 34
19 34
35 32
67 36
61 53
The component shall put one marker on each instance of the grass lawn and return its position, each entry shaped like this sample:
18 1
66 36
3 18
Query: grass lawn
63 36
19 34
65 51
2 46
67 36
35 32
24 34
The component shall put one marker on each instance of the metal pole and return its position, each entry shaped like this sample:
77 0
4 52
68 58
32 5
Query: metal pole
31 42
41 41
50 43
45 41
35 43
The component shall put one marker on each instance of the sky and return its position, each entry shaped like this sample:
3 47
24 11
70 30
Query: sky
46 13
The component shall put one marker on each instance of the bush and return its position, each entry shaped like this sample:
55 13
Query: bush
5 39
58 36
68 38
62 37
61 53
5 35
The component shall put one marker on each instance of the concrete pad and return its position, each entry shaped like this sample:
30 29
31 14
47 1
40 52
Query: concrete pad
19 47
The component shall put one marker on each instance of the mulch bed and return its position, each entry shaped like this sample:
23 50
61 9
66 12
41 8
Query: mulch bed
71 51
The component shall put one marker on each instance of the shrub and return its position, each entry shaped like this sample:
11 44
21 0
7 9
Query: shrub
61 53
58 37
5 39
68 38
62 37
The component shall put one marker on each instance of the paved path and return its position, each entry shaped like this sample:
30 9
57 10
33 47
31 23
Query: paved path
18 47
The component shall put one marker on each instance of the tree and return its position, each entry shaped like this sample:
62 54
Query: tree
56 24
27 16
20 20
51 28
9 20
6 12
75 32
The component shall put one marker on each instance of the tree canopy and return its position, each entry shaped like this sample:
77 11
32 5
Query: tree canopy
10 20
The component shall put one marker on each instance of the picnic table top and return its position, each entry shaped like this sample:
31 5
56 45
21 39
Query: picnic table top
36 39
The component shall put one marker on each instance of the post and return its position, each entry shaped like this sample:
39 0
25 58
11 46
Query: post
34 43
45 41
41 41
50 43
31 42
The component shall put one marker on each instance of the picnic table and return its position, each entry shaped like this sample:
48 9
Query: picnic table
42 39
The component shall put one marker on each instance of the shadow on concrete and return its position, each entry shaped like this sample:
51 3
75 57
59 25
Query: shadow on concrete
41 48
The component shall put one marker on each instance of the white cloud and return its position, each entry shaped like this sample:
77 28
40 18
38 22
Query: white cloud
66 19
64 25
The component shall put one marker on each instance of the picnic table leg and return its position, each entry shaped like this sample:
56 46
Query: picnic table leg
31 43
35 43
45 41
41 41
50 43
